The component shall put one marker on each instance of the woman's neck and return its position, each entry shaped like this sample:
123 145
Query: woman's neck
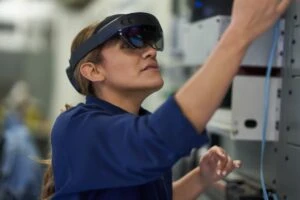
129 101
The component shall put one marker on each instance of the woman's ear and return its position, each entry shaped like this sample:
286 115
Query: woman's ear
92 72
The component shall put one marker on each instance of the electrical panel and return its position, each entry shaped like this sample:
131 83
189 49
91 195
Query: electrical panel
248 108
201 37
244 121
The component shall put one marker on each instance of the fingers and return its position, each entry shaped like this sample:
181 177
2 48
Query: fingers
230 166
223 162
283 6
215 164
218 159
237 163
253 19
227 166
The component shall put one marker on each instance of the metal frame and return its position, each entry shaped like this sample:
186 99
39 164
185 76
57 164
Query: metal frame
288 163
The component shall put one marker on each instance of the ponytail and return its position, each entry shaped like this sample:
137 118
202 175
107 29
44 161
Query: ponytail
48 188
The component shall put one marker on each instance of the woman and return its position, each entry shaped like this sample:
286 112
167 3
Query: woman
110 147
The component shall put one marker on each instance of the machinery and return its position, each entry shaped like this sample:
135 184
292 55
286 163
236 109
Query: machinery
238 125
202 36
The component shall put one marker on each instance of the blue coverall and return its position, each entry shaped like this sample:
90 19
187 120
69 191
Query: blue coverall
100 151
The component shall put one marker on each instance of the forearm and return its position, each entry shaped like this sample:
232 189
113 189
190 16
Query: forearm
202 94
189 187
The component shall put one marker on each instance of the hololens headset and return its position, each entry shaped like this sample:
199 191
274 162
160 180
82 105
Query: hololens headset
136 29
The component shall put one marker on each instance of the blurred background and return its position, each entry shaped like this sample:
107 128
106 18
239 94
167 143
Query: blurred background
35 39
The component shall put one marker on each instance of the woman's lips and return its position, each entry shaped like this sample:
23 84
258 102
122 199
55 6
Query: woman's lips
149 67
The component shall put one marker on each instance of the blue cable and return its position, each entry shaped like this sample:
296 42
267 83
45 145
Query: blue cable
266 107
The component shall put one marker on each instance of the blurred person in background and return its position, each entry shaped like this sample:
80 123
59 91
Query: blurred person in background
110 147
28 106
21 174
21 101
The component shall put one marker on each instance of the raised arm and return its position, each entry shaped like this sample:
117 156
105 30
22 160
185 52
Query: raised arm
202 94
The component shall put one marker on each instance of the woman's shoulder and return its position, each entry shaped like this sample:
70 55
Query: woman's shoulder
76 115
81 110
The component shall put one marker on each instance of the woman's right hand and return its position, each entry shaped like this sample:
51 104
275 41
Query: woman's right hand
215 164
251 17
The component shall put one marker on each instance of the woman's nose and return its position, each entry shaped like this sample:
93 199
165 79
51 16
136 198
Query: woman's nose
149 51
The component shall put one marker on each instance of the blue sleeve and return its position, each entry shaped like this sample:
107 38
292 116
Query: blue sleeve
104 151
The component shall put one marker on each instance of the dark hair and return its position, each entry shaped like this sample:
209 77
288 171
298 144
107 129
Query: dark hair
48 188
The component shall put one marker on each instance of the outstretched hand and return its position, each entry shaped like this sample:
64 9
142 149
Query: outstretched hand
252 17
215 164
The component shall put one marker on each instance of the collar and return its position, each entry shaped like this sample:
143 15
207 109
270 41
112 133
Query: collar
92 100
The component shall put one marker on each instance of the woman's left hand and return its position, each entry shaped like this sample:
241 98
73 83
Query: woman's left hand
215 164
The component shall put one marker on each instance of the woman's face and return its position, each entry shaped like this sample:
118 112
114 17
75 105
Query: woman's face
128 69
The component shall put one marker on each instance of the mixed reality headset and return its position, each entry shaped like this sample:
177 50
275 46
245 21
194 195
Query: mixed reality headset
138 30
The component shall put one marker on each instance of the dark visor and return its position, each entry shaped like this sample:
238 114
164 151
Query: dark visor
142 36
